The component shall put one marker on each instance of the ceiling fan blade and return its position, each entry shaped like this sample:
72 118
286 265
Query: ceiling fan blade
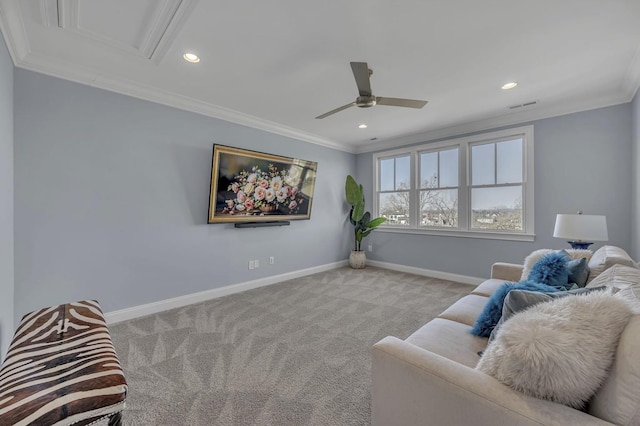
333 111
361 74
409 103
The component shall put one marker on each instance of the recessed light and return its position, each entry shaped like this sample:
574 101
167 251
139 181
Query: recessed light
191 57
362 126
509 85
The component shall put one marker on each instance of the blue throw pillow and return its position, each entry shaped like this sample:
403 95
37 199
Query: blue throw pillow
552 270
578 271
492 311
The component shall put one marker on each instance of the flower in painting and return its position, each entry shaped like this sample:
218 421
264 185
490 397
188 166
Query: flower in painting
276 183
257 191
260 193
281 195
248 188
270 195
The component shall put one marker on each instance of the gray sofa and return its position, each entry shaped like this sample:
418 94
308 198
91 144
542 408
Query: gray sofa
430 378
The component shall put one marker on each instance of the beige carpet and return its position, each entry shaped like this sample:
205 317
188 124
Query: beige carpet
294 353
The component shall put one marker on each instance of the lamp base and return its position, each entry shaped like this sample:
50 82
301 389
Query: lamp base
579 245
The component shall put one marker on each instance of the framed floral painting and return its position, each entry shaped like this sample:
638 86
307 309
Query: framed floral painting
251 186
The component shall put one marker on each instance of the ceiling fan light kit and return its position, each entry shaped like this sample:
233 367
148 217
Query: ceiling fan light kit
366 99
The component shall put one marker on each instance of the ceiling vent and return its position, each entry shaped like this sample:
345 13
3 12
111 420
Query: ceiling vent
526 104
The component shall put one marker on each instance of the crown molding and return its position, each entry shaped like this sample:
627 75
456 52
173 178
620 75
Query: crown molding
71 72
12 27
534 114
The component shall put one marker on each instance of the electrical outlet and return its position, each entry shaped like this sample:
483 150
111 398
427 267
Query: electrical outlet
251 264
272 260
370 247
256 263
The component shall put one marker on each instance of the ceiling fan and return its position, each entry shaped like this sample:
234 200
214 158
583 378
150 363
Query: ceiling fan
361 72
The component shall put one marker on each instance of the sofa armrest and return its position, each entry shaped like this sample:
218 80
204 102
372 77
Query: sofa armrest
413 386
506 271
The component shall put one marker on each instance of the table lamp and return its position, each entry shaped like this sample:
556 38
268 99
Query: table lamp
580 229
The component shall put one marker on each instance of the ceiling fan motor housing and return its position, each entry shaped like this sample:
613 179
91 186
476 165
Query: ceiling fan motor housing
365 101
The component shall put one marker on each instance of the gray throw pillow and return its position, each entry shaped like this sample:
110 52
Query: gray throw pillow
578 271
519 300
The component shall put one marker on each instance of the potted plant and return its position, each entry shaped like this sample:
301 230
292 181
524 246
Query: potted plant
362 223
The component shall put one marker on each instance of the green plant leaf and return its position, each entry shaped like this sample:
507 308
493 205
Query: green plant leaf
358 211
359 235
376 222
353 191
366 218
353 222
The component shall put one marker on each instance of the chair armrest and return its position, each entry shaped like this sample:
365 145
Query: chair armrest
413 386
506 271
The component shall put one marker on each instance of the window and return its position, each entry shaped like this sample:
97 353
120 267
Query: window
395 189
477 186
439 188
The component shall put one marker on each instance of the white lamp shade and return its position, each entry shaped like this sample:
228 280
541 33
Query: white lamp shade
581 227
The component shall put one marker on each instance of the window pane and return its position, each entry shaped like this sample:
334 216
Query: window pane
482 164
497 208
439 208
403 171
395 207
449 168
386 174
509 155
429 170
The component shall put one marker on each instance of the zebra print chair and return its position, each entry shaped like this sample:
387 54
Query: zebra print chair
62 369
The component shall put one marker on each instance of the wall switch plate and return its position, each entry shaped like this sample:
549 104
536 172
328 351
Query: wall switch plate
256 263
370 247
272 260
251 264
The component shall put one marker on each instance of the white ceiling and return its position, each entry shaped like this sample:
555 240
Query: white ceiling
275 65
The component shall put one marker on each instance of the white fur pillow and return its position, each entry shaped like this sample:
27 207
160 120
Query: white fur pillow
558 350
536 255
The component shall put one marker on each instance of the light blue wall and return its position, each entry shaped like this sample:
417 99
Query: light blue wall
582 161
635 240
6 198
112 195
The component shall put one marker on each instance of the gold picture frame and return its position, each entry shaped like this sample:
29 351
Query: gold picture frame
251 186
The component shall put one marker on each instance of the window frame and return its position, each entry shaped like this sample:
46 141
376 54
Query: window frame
464 145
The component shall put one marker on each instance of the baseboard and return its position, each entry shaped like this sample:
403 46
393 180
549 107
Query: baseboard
188 299
465 279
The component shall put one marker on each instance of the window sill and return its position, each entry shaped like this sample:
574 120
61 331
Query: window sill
487 235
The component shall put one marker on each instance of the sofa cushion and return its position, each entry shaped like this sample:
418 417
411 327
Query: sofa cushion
625 278
465 310
605 257
488 287
618 400
450 339
559 350
530 260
